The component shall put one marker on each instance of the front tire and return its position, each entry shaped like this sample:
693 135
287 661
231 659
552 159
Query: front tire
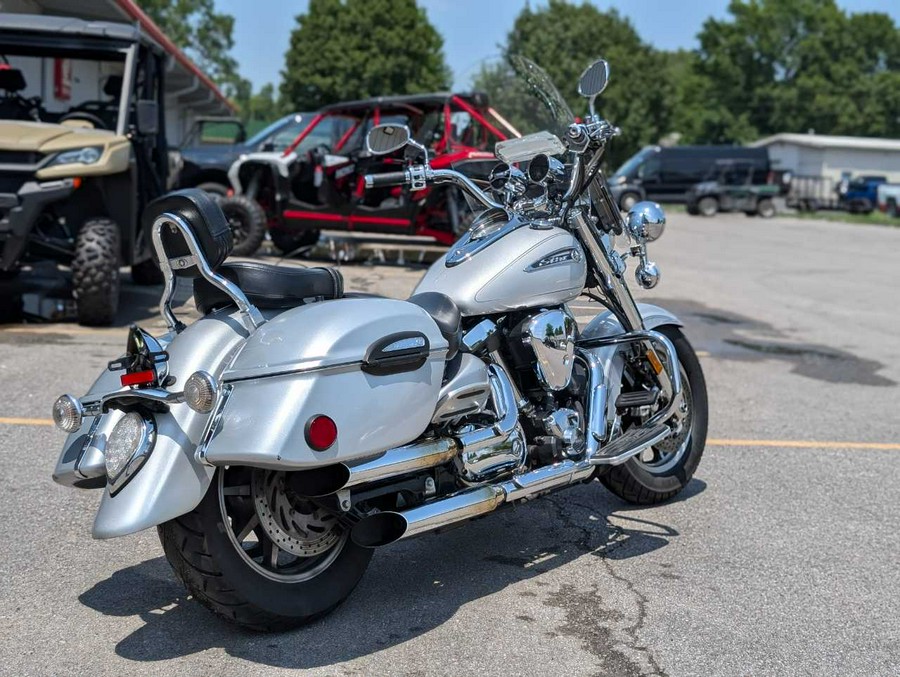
247 221
708 206
663 471
236 579
95 272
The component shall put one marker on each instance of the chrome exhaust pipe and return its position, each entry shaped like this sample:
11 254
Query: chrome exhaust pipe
387 527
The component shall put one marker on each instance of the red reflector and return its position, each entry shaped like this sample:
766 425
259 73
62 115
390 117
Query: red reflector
139 378
321 432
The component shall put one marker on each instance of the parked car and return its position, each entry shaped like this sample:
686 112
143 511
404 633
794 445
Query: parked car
860 195
888 198
730 187
667 174
213 145
317 183
73 184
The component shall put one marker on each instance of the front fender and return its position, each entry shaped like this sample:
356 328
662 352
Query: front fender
172 482
607 324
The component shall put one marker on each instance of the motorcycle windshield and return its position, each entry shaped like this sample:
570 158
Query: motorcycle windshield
522 95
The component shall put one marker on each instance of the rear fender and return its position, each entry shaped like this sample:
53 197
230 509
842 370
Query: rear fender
172 482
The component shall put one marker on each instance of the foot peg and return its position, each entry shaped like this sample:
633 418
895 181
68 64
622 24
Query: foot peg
630 444
638 398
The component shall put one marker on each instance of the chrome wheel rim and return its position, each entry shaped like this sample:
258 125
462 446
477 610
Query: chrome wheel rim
280 535
665 455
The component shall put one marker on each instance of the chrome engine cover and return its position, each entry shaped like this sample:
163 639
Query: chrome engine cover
466 392
551 335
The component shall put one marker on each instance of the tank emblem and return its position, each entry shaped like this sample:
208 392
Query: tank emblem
556 258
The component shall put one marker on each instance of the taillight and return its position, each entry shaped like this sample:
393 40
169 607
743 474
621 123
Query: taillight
139 378
321 432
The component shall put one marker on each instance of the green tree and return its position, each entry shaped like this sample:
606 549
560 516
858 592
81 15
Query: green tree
794 66
202 33
351 49
563 38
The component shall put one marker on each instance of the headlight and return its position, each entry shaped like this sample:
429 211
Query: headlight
128 446
68 413
84 156
200 392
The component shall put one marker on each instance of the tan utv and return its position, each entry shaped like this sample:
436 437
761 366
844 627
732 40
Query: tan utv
74 182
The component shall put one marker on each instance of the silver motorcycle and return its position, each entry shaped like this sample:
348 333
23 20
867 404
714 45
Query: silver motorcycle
294 428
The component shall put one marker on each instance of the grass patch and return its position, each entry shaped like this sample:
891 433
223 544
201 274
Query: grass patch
875 218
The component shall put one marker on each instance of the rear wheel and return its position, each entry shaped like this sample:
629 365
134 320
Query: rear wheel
663 470
292 241
765 208
628 200
95 272
708 206
247 221
260 556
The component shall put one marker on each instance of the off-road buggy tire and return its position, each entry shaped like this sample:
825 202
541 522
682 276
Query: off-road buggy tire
95 272
248 223
288 242
146 273
634 483
213 187
205 561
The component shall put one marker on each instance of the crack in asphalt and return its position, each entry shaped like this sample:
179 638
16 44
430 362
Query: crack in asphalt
581 606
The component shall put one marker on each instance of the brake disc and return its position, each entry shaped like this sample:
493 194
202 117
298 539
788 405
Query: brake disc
294 524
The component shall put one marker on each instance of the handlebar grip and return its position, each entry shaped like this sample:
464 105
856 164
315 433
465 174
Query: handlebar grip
386 179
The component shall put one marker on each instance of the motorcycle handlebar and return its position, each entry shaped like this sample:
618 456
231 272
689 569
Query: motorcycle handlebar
386 179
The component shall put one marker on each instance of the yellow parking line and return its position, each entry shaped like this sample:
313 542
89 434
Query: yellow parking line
803 444
15 420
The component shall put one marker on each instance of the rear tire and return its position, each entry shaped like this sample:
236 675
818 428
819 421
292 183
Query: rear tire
638 482
247 221
288 242
206 560
708 206
628 200
765 208
95 272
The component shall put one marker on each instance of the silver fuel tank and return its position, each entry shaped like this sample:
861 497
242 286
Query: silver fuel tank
503 264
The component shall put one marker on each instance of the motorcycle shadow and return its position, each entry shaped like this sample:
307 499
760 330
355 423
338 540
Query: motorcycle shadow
410 588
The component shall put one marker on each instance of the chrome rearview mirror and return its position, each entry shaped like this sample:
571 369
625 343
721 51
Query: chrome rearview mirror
646 221
594 79
388 138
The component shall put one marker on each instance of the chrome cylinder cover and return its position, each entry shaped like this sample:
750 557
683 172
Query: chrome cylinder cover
551 335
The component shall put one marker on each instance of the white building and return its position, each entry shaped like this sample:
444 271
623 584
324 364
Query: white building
189 92
833 156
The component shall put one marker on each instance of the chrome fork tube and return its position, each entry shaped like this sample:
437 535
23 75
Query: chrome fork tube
609 274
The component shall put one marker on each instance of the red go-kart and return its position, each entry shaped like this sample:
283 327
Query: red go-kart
317 182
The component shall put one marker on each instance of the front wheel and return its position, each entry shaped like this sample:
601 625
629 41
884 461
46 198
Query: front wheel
95 272
259 555
663 470
247 221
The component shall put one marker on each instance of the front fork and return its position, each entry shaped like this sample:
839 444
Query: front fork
609 271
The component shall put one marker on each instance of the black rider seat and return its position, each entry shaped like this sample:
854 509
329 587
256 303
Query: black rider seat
270 287
446 315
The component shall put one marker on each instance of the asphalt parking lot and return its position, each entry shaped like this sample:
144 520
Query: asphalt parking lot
782 556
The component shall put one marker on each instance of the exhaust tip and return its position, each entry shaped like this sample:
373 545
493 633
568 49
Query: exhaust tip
379 529
322 481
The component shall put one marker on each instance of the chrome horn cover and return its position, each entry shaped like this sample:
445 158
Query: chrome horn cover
551 334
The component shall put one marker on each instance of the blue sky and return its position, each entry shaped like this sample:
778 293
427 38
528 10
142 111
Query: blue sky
472 29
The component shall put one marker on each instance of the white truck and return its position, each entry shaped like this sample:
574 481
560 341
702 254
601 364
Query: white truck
889 199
